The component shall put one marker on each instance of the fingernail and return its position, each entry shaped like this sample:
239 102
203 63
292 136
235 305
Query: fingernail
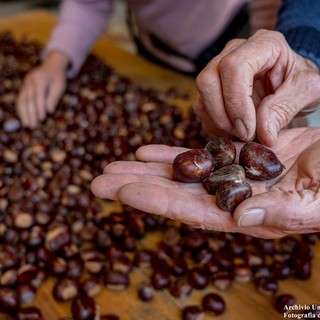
251 217
272 128
241 129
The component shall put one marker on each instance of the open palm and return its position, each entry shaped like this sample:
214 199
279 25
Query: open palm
291 204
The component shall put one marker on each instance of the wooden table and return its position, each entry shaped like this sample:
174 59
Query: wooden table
243 302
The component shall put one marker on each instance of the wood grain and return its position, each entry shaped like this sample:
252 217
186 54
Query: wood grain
243 302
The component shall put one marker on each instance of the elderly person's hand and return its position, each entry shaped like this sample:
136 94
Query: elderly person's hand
42 89
289 205
255 87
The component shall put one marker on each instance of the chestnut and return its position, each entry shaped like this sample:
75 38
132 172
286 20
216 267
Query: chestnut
192 166
223 151
198 278
283 301
116 280
259 162
267 285
91 286
145 292
213 303
29 313
83 308
231 193
65 289
192 312
160 279
9 300
181 288
232 172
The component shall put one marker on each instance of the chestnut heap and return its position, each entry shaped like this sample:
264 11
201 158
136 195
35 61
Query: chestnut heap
214 167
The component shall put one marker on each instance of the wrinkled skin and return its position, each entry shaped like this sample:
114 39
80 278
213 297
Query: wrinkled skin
291 204
255 87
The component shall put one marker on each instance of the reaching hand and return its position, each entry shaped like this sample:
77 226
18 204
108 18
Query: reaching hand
255 87
42 89
289 205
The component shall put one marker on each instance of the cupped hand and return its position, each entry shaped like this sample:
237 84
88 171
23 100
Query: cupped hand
255 87
286 206
41 90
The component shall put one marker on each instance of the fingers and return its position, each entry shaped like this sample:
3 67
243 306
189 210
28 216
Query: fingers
208 125
199 211
39 95
23 106
245 73
107 186
31 101
158 153
212 111
288 211
276 111
238 70
54 94
173 203
139 168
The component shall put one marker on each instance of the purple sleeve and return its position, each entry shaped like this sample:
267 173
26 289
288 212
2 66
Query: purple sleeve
80 24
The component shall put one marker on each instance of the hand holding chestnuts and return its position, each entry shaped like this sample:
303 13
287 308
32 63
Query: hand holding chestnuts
214 167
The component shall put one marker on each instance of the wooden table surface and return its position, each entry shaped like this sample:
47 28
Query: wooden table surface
243 302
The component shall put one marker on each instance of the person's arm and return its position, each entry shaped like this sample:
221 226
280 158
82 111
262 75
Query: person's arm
80 24
299 22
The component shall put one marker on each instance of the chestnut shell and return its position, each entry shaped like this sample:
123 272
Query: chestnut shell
259 162
193 165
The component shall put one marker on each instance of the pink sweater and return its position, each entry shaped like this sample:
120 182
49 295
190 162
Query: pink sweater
188 26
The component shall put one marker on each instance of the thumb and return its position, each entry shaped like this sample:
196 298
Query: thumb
288 211
277 110
274 113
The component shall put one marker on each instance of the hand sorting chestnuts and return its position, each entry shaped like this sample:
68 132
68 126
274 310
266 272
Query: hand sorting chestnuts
218 174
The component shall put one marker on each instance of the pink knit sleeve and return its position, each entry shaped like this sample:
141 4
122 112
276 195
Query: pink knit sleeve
80 24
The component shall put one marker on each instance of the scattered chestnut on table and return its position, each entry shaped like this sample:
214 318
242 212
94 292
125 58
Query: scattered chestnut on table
48 217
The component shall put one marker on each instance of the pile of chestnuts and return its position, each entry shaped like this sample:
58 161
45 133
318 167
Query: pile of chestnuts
51 226
214 167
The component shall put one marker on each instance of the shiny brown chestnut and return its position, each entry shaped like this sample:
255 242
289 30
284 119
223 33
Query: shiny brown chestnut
83 308
29 313
259 162
65 289
231 193
267 285
216 178
9 300
116 280
160 279
283 301
192 165
145 291
181 288
193 312
214 303
198 278
223 151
